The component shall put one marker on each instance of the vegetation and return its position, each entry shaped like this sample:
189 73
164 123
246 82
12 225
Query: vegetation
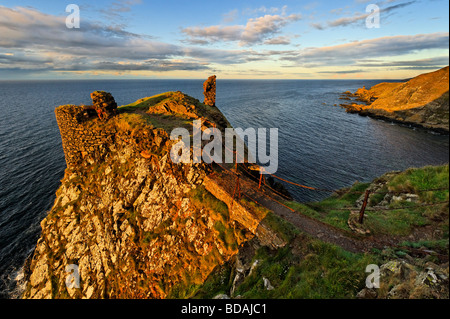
146 108
398 215
320 270
309 268
304 268
229 236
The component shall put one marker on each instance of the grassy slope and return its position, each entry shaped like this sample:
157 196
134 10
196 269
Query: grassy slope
171 121
305 268
395 221
309 268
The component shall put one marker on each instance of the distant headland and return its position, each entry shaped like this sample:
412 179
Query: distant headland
421 102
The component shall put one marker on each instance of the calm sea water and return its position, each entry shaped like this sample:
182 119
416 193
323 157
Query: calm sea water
319 144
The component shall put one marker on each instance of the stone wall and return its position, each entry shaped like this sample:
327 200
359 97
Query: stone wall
82 133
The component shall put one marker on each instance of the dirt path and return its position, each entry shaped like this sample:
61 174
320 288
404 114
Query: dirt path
313 227
347 240
316 229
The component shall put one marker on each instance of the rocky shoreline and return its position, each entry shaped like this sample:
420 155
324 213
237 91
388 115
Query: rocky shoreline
422 102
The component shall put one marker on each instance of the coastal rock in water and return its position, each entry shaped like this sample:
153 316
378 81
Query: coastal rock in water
104 104
209 91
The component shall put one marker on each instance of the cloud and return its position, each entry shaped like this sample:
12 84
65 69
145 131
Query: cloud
430 63
256 31
317 25
230 16
342 72
260 28
216 33
115 10
280 40
52 46
150 65
263 9
357 17
347 20
351 53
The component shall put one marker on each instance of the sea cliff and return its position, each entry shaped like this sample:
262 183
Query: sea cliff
132 222
422 101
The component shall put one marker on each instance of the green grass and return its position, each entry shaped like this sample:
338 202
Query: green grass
170 121
395 222
282 227
324 272
320 271
219 282
416 179
144 103
441 245
304 268
328 211
402 216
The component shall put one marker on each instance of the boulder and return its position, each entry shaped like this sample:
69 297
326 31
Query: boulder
367 293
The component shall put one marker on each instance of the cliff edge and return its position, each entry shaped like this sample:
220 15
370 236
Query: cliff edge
127 222
422 101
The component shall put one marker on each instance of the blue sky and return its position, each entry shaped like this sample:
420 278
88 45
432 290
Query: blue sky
233 39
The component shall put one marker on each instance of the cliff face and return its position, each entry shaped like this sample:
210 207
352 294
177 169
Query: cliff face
422 101
133 223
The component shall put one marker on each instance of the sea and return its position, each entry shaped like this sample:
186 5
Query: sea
319 144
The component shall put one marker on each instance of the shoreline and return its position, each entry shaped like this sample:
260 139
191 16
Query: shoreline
421 102
351 108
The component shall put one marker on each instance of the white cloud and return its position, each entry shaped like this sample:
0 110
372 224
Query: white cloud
280 40
254 32
351 53
357 17
52 46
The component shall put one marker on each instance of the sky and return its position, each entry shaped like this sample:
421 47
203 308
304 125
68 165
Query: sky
234 39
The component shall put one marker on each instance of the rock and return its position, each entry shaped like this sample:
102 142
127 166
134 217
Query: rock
129 220
421 102
391 267
267 284
428 278
104 104
354 224
209 91
367 293
221 296
253 267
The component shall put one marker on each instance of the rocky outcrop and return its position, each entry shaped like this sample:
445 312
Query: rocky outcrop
410 278
104 104
209 91
177 103
422 101
127 222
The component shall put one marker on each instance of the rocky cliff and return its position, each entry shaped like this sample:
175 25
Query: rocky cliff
422 101
127 219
